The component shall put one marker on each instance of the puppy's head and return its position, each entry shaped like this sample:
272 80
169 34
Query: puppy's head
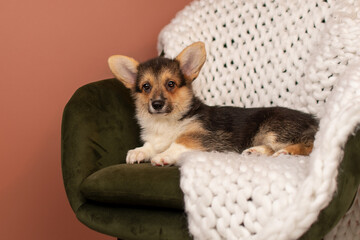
161 86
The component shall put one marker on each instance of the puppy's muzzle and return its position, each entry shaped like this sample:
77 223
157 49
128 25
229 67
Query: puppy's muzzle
157 105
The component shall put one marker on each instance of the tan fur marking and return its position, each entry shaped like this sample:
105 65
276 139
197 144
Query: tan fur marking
191 137
190 142
299 149
143 99
149 77
180 99
166 75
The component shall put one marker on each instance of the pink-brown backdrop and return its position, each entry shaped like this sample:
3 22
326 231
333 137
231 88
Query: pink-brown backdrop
47 50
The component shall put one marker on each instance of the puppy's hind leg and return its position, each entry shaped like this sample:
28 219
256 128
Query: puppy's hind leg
295 149
259 150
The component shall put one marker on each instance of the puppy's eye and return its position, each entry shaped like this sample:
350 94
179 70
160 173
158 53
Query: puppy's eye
171 84
146 87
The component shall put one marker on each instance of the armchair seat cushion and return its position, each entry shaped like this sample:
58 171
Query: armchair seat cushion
135 185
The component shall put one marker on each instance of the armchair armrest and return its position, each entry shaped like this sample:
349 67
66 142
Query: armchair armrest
98 128
348 182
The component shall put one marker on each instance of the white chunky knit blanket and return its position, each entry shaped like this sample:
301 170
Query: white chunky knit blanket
303 54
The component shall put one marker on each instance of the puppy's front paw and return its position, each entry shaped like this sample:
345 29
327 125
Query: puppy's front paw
282 152
163 160
137 155
251 151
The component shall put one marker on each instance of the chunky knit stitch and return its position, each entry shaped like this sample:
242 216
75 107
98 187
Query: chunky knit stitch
303 54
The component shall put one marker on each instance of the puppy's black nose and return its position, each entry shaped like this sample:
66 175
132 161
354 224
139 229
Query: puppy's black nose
158 104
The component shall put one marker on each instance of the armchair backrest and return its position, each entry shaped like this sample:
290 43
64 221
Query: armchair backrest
270 52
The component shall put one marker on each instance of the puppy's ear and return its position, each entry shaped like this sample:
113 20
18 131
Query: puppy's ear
124 69
191 59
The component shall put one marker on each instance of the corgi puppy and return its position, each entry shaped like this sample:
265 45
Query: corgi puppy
173 120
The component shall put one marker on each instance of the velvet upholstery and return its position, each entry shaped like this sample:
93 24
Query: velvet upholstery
98 128
94 121
141 201
139 223
136 185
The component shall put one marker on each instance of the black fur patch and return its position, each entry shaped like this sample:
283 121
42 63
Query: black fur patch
156 66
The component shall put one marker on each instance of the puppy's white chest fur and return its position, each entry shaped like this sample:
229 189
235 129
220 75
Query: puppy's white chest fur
161 132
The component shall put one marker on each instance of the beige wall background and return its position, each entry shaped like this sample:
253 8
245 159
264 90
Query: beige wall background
47 50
